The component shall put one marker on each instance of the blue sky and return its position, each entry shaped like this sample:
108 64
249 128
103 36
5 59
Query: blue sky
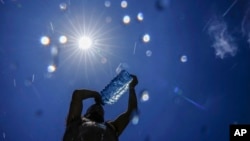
194 68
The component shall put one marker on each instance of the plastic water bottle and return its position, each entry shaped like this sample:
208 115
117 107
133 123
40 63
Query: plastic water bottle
116 88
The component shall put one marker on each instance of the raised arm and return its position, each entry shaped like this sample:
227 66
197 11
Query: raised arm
76 104
122 121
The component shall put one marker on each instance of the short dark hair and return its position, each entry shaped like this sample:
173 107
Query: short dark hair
94 115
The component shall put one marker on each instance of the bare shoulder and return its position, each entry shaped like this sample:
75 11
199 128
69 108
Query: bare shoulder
111 125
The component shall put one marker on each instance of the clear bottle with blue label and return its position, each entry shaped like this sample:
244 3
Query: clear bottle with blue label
116 88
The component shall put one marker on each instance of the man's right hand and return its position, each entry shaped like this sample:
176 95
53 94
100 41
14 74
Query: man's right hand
134 82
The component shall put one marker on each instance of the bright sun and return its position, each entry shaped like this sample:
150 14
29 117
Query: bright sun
85 42
90 42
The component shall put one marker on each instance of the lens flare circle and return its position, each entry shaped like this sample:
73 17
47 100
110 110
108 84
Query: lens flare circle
126 19
51 68
45 40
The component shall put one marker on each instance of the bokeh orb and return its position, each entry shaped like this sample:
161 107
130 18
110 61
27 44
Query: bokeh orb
184 59
126 19
107 3
149 53
146 38
135 119
140 16
63 39
51 68
124 4
145 96
63 6
54 51
45 40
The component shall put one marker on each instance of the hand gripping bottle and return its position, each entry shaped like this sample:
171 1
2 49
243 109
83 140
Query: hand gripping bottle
116 88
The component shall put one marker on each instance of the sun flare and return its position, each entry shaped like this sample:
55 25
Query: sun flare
85 42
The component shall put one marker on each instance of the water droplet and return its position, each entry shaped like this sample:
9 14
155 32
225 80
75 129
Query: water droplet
178 91
126 19
146 38
135 120
140 16
63 6
124 4
145 96
121 66
51 68
107 3
63 39
183 58
135 117
45 40
54 50
149 53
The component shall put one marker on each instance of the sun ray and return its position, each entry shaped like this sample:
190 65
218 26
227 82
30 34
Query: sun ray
87 62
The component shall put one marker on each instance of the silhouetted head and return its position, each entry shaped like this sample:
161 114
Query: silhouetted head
95 112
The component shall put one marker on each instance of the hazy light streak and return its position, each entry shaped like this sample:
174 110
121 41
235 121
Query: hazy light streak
36 91
229 8
135 47
33 78
178 91
194 103
118 69
14 82
52 27
4 135
207 24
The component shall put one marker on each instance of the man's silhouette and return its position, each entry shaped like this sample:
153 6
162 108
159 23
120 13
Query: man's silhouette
92 127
